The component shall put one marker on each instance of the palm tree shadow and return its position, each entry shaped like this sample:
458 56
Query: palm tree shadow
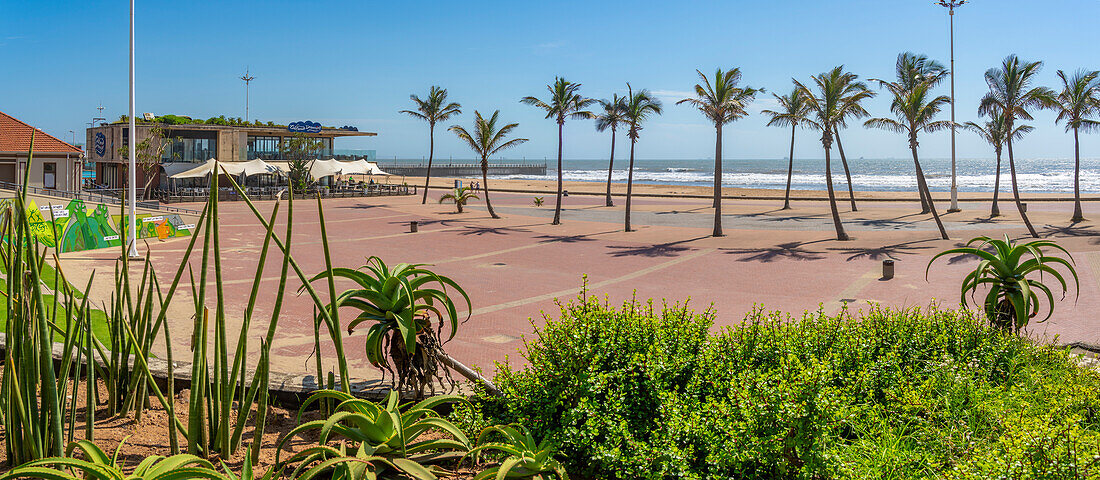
1071 230
790 250
360 206
670 249
793 218
492 230
759 214
443 222
564 238
891 252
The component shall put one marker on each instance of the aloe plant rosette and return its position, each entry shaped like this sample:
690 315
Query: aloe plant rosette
402 304
1013 298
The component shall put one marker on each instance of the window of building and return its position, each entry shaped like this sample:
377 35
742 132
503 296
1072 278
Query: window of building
190 147
49 175
263 147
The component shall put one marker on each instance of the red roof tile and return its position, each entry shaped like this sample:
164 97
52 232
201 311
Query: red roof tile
15 136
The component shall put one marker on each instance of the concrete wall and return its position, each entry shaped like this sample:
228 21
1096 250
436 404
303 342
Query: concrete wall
66 170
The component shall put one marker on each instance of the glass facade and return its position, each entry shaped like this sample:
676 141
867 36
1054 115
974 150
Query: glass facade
263 148
190 146
267 148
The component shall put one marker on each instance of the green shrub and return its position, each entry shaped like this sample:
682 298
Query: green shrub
640 392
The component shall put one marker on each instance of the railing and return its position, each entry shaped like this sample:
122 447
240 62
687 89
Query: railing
106 195
460 165
201 194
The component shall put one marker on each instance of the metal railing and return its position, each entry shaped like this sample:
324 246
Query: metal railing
201 194
106 196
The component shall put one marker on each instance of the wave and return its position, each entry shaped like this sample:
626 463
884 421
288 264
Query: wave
1056 181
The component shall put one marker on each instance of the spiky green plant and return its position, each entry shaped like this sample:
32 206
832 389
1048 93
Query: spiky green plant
98 465
460 196
1012 299
334 463
385 431
524 458
407 307
538 201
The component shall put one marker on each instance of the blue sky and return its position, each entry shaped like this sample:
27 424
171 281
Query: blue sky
356 63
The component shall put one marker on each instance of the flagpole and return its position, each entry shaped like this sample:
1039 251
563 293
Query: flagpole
132 236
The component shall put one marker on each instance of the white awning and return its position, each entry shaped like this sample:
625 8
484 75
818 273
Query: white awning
253 167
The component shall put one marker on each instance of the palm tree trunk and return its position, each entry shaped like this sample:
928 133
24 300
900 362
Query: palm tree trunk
629 186
925 198
847 173
718 182
485 185
431 153
923 185
790 172
557 208
1077 214
996 211
611 168
840 235
1016 188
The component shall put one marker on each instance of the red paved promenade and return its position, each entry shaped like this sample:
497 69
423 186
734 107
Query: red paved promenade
515 268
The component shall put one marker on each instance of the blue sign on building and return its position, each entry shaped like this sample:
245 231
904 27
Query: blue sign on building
304 127
100 144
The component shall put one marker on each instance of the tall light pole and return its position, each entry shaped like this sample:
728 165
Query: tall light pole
132 237
247 80
951 5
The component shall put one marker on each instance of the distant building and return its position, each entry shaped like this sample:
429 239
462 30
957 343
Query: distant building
191 144
56 164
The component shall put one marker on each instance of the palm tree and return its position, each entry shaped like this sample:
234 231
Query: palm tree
1011 92
460 196
837 92
850 111
1079 100
793 111
914 107
993 132
639 106
564 102
434 109
611 117
486 141
721 102
911 70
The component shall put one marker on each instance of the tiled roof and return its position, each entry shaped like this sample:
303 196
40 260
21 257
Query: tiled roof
15 136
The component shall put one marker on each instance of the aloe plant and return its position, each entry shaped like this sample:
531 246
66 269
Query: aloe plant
407 306
524 458
1013 298
538 201
98 465
460 196
389 432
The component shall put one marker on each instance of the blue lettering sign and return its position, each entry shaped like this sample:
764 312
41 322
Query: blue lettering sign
304 127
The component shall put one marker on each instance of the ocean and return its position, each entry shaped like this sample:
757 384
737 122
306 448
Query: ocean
868 174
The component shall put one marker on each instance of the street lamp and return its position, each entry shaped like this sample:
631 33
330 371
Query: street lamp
951 5
132 251
247 80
